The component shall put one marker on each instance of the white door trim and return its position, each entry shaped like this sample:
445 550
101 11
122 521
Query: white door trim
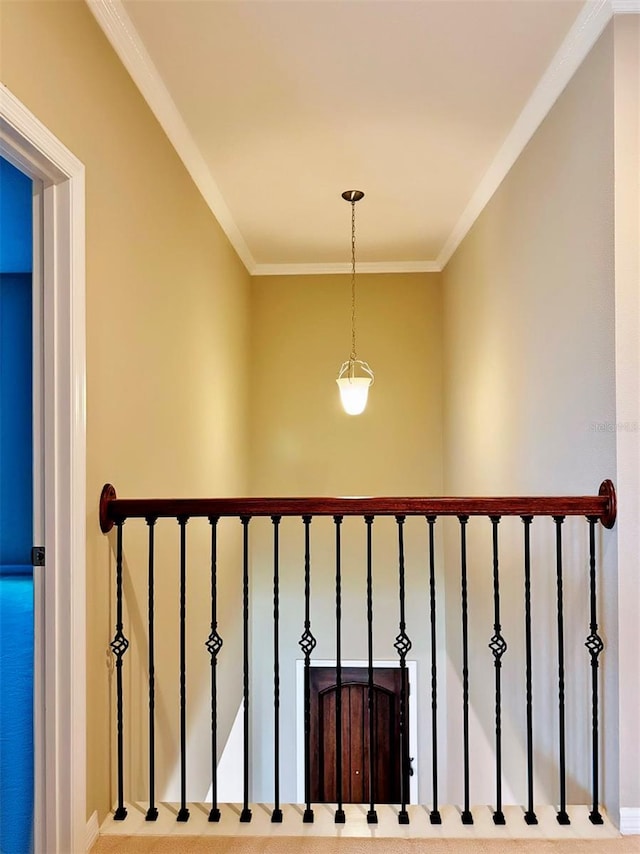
412 672
60 607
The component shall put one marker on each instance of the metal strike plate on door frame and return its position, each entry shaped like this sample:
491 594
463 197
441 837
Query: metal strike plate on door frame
37 556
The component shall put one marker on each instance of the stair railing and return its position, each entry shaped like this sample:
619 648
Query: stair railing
596 509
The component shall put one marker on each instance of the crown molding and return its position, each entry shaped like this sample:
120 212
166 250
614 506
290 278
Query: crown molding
363 267
588 26
625 7
123 36
121 33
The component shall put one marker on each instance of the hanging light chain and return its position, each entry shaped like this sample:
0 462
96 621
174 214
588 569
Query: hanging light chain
353 280
354 376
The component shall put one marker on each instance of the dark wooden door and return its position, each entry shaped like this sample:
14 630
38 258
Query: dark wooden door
355 735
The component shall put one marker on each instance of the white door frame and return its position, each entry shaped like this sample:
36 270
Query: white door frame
60 488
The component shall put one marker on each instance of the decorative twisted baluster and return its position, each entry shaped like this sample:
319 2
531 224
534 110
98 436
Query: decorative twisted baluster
152 812
372 815
529 816
466 816
307 644
245 815
213 645
119 646
562 816
595 646
434 816
339 815
403 645
276 815
183 814
498 648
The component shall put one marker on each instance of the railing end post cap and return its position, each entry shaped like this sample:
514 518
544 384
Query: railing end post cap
107 495
608 490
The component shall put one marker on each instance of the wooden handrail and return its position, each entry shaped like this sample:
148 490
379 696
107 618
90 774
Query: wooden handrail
114 509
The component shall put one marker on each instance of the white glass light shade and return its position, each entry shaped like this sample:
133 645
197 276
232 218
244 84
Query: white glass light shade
354 392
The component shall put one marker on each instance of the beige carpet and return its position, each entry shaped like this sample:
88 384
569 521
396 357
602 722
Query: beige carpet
299 845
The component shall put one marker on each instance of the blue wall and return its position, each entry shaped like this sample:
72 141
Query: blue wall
15 220
16 513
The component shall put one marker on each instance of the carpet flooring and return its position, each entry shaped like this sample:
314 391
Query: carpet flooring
318 845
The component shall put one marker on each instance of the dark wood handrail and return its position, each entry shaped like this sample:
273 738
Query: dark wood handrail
601 506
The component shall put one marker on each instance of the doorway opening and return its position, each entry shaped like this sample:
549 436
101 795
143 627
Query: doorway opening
356 773
17 392
59 503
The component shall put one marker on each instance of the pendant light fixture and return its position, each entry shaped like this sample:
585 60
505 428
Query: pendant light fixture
355 376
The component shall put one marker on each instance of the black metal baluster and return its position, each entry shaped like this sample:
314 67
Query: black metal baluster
276 815
372 815
595 646
183 814
214 645
119 646
529 816
498 647
562 815
403 645
339 816
434 816
307 643
466 816
152 812
245 815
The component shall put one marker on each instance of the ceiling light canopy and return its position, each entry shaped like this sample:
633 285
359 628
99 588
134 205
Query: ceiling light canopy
355 376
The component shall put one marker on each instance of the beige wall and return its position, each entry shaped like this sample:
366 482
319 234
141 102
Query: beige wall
167 344
302 443
627 259
529 379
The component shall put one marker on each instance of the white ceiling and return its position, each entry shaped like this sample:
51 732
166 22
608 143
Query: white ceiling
277 106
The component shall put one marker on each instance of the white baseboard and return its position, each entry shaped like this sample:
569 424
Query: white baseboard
93 831
629 820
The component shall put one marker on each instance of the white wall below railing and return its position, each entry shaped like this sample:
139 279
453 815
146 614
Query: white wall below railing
230 782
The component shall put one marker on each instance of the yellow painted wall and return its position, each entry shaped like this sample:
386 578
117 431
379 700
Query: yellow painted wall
167 342
302 443
627 334
529 383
